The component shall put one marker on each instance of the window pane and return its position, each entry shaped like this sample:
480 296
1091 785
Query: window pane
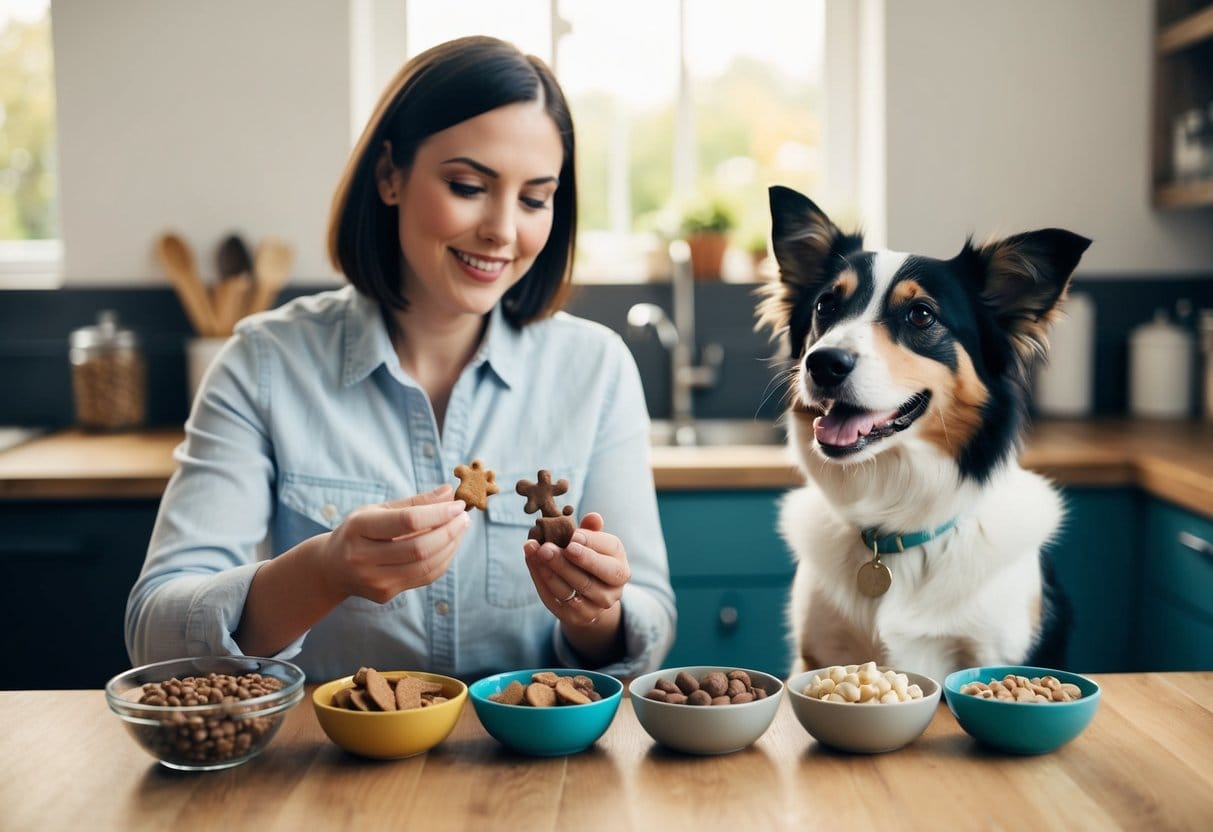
755 72
752 119
27 123
619 68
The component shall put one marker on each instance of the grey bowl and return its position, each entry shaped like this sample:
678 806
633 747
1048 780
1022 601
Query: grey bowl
705 729
864 729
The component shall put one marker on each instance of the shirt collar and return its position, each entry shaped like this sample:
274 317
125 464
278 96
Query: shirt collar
368 345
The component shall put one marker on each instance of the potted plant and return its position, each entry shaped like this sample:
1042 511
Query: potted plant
706 226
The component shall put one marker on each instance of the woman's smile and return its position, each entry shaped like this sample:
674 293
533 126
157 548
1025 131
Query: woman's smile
485 269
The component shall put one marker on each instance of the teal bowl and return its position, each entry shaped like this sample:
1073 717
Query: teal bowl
545 732
1020 727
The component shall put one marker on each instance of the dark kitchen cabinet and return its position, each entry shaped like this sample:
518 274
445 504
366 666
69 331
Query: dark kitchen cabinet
66 568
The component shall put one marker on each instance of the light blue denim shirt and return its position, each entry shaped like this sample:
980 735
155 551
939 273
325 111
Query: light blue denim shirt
306 415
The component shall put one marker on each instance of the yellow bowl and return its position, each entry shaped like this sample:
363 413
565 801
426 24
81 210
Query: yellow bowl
389 735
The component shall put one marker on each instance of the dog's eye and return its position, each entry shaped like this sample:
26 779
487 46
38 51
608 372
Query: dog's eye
920 315
827 305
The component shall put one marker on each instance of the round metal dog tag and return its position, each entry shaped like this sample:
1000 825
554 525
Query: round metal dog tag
874 579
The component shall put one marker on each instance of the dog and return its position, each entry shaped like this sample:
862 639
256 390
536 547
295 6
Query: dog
918 538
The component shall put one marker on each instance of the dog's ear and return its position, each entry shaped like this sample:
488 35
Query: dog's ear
804 241
1023 279
804 238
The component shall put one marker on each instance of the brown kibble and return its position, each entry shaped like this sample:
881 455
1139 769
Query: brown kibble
540 695
667 686
715 683
721 700
341 699
742 698
546 677
511 695
741 676
408 693
379 691
657 695
686 683
737 686
360 700
699 697
676 698
566 692
359 678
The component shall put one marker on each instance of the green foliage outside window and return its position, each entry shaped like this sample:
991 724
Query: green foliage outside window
27 132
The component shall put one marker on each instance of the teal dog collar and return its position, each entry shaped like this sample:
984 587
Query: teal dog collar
891 544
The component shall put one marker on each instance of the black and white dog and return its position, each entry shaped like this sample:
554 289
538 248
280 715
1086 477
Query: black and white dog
918 537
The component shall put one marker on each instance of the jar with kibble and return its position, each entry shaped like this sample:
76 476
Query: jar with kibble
108 375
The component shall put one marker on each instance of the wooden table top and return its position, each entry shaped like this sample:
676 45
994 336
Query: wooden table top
1171 460
1145 762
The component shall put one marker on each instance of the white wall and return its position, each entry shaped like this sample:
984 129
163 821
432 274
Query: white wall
1005 116
204 117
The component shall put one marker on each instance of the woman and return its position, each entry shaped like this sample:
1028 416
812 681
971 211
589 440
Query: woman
330 428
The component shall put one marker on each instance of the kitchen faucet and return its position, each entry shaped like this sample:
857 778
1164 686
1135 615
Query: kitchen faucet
678 338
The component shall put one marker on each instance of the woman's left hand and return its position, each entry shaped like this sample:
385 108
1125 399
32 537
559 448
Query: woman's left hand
583 581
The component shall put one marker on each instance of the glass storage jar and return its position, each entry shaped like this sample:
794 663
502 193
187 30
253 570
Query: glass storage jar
108 375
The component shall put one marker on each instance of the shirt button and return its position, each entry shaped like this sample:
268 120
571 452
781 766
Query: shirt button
442 607
329 511
427 450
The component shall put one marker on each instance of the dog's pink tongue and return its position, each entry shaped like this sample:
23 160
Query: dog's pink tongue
846 428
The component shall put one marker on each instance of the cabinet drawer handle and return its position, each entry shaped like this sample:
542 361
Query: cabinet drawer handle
728 617
1196 544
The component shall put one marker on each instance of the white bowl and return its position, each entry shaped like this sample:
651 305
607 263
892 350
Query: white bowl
865 729
705 729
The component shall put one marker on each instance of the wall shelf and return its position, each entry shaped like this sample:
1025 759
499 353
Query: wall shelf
1186 32
1183 81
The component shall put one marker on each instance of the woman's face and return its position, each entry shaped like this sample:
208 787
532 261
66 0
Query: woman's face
475 208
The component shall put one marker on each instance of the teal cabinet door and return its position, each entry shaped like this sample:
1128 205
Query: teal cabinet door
732 575
1095 565
1177 598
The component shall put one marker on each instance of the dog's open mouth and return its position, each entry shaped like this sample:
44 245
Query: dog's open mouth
845 429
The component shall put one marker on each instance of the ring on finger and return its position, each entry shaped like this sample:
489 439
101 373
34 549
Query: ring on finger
568 598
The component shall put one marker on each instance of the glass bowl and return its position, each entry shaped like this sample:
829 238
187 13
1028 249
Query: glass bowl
243 702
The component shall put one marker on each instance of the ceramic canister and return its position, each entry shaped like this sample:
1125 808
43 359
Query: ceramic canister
1160 370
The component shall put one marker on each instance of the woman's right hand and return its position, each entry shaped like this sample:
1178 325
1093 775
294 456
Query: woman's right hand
379 551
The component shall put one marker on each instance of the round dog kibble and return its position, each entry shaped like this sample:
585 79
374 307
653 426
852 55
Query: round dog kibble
1012 688
213 738
714 687
861 684
686 683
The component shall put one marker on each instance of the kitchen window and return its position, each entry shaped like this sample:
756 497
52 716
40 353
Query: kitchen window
678 104
30 251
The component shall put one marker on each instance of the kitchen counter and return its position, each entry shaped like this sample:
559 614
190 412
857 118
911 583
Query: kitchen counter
1173 461
1143 763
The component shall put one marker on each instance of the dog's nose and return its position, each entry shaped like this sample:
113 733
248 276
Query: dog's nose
829 366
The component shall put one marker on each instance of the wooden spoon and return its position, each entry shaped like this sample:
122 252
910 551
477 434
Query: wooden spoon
271 268
235 282
178 261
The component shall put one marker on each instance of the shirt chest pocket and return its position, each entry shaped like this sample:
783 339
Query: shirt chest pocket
507 580
311 505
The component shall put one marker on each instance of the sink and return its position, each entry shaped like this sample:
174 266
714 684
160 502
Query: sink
717 432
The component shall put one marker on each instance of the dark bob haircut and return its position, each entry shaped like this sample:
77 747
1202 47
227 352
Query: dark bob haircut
439 88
